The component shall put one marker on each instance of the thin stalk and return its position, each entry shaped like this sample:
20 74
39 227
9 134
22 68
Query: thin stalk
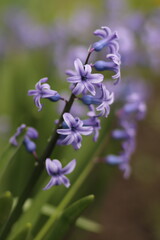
38 168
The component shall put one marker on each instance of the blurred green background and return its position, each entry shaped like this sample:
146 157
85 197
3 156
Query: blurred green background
128 209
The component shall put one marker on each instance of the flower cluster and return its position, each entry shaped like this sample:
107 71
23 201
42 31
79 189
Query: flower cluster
84 82
108 40
31 133
132 111
89 88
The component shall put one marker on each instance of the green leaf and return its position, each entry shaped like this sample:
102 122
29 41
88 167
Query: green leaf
68 217
25 233
81 222
89 225
9 153
6 201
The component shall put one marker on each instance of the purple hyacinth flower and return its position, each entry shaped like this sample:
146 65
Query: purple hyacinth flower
119 134
57 173
72 131
135 105
94 122
29 144
82 80
31 133
122 161
43 90
123 134
107 99
13 139
109 40
114 159
88 100
113 65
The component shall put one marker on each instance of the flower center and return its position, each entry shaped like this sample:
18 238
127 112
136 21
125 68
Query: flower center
84 78
74 129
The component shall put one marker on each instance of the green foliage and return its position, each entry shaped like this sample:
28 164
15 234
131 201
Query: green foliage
68 217
25 234
8 154
81 222
6 202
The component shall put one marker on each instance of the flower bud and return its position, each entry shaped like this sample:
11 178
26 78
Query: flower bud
29 145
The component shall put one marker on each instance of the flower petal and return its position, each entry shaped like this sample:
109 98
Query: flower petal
64 131
100 33
95 78
51 183
90 88
88 69
65 181
48 93
79 67
78 89
38 103
68 140
69 119
38 84
69 167
70 73
74 79
51 167
32 92
58 163
77 137
85 130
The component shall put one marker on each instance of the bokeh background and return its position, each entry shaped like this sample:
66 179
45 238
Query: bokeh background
42 38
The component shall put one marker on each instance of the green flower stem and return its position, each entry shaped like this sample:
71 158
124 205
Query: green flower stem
38 169
55 135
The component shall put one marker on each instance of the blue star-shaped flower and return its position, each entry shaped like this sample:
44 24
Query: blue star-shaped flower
43 90
82 80
71 134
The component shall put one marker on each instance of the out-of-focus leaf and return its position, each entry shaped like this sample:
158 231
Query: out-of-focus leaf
68 218
25 233
89 225
81 222
6 201
32 211
9 153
